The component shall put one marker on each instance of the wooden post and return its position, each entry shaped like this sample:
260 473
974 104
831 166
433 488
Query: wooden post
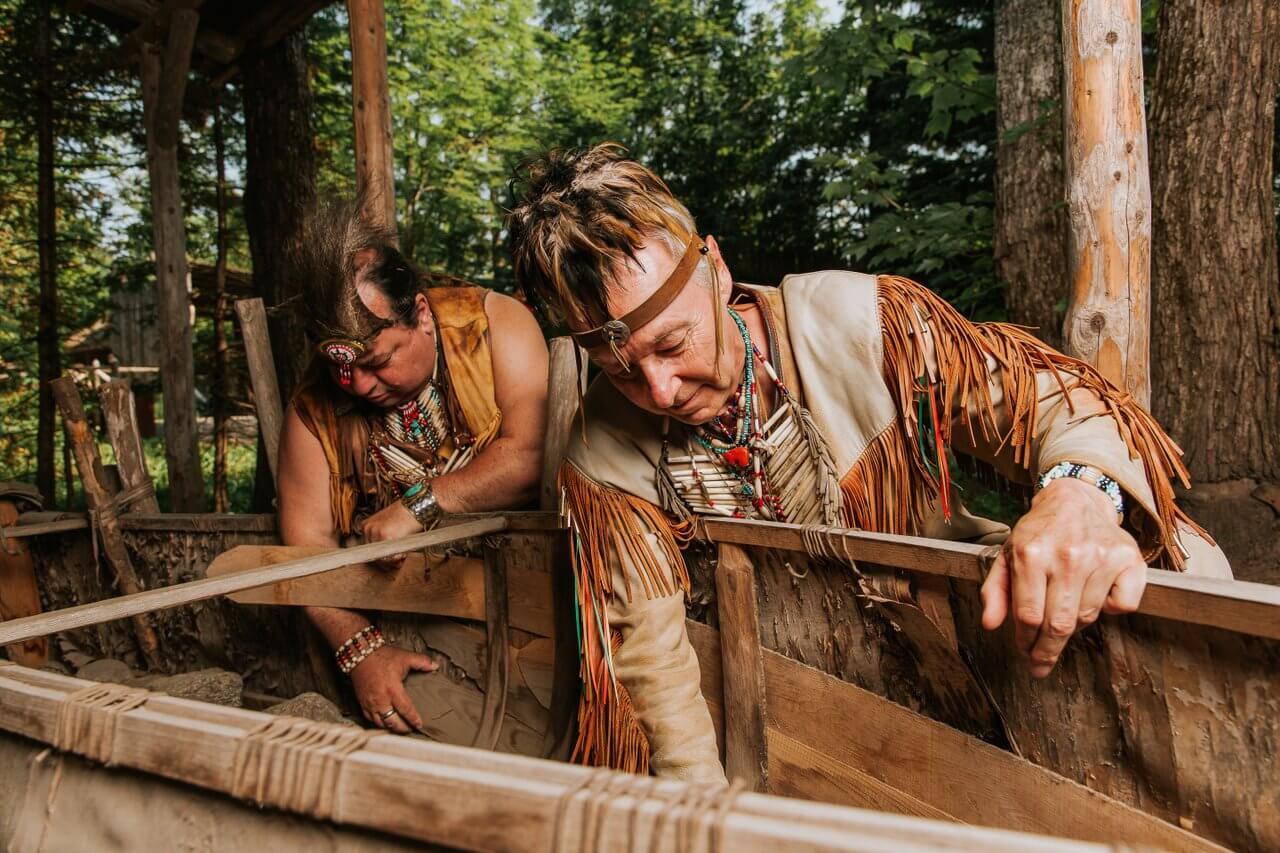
1108 191
89 463
262 375
746 746
122 425
163 85
371 106
564 383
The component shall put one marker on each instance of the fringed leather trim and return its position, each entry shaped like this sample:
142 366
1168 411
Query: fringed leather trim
962 351
609 735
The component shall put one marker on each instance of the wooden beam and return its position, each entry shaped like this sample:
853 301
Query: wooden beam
85 446
746 747
206 588
219 47
175 64
173 304
122 426
371 105
470 799
1240 606
1108 320
564 383
262 375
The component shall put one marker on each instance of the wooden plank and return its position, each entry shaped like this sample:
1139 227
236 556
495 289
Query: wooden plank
19 531
475 800
931 763
19 594
371 109
1108 322
262 375
1240 606
206 588
440 586
564 384
122 427
746 748
85 446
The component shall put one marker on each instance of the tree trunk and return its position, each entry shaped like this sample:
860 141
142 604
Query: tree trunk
1108 192
280 185
47 331
1031 219
1217 293
221 353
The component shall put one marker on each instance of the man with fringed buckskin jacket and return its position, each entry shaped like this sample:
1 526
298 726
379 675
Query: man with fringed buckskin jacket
426 396
834 399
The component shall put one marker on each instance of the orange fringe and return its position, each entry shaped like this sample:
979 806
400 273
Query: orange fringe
890 489
605 522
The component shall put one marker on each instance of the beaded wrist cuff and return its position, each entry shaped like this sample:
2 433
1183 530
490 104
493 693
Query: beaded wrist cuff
1092 476
362 643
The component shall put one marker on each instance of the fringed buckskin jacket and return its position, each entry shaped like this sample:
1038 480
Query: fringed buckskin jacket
854 349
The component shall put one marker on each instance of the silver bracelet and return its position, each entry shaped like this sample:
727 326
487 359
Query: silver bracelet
420 500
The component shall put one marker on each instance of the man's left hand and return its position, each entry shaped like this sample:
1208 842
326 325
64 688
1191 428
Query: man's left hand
1066 562
390 522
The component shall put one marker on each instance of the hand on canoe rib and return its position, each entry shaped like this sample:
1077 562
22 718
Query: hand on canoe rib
1066 562
379 684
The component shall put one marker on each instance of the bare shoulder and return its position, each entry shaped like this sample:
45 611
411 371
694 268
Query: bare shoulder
510 316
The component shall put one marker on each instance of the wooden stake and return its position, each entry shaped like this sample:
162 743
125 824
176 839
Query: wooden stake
206 588
122 426
371 107
1108 191
89 463
746 748
262 375
563 384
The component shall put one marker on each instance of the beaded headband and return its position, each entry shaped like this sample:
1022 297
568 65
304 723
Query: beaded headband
342 352
615 332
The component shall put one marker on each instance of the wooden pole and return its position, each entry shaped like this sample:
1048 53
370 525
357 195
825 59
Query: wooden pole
190 592
1108 191
48 352
371 106
564 384
122 426
221 350
163 85
746 745
262 375
85 447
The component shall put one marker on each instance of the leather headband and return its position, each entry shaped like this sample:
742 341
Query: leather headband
615 333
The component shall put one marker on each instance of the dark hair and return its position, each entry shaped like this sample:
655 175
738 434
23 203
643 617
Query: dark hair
582 215
338 246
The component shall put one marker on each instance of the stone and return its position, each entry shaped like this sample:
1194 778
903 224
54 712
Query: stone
310 706
216 686
106 669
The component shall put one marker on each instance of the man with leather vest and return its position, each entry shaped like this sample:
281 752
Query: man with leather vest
835 399
426 397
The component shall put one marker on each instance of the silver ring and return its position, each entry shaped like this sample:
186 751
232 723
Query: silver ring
387 714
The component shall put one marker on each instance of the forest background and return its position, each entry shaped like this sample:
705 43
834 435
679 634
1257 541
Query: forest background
919 138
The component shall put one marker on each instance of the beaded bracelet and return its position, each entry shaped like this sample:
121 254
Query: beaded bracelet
1092 476
362 643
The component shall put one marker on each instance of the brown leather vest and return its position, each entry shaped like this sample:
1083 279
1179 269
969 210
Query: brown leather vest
342 423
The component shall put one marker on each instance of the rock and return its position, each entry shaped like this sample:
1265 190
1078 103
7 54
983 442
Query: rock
206 685
311 706
106 669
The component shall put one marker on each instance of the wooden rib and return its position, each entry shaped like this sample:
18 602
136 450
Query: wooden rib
475 800
929 764
200 590
1240 606
497 660
745 747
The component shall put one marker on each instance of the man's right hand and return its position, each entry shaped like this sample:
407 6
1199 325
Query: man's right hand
379 684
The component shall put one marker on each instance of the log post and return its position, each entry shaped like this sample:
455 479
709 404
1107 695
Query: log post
746 747
371 107
122 426
1108 192
262 375
85 447
163 85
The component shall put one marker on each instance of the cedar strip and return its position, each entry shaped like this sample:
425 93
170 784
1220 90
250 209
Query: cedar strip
497 633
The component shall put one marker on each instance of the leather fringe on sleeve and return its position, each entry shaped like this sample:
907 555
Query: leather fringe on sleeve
894 483
604 522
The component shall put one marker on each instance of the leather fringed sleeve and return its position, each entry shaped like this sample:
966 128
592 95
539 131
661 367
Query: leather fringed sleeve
994 391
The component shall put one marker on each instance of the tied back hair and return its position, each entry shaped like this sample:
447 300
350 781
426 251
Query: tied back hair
582 216
337 247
